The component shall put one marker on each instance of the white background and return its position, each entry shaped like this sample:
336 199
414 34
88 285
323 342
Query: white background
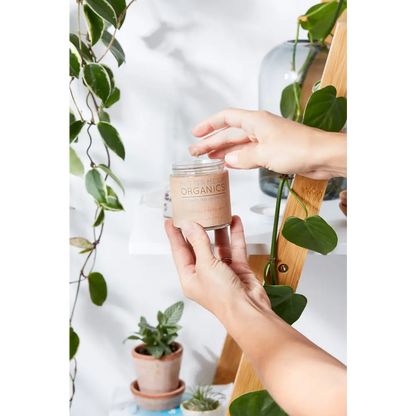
185 60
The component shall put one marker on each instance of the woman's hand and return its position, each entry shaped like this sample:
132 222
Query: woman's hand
252 139
215 282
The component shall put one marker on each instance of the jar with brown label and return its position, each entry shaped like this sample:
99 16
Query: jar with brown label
200 192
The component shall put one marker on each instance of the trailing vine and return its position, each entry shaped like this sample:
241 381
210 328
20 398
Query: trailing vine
101 93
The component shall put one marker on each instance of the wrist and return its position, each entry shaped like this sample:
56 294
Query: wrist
330 153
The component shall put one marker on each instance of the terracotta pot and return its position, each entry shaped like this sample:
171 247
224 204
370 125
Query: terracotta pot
157 375
215 412
157 402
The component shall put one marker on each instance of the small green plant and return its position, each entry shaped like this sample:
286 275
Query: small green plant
203 399
158 340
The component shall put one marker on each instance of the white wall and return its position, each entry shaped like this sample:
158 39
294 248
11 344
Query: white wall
185 60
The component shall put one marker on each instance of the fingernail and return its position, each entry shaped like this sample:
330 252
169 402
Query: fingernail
193 150
187 227
232 158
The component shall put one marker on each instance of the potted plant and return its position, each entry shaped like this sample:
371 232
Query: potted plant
157 360
204 402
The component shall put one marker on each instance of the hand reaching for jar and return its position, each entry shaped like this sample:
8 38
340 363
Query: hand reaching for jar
253 139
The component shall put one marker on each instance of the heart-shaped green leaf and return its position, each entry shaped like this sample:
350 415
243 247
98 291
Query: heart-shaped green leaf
174 313
285 303
95 24
98 81
100 218
325 110
75 165
119 6
80 243
73 343
75 61
113 98
86 54
95 185
98 288
112 176
115 47
256 403
313 233
103 116
288 104
75 129
320 19
104 9
72 117
111 138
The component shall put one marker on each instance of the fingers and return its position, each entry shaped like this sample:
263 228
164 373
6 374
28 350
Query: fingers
238 242
222 248
181 252
220 154
199 241
219 140
246 158
343 197
231 117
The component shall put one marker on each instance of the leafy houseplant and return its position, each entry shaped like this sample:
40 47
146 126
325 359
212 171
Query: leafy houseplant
100 94
204 402
325 111
157 360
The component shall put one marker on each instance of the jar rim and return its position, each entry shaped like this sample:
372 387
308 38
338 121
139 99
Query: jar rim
196 164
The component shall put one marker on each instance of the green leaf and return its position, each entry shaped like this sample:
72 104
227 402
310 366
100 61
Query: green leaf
98 288
87 250
75 129
103 116
313 233
119 6
73 343
173 313
113 98
115 48
100 218
325 110
80 243
256 403
112 176
110 76
95 185
112 204
97 80
95 24
86 54
156 350
104 9
321 18
111 138
75 61
285 303
72 117
288 104
131 337
75 165
161 318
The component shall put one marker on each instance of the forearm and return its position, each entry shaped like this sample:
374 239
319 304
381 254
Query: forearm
302 378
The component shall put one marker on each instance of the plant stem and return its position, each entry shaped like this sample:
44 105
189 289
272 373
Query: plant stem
92 164
73 377
73 99
79 31
273 253
296 197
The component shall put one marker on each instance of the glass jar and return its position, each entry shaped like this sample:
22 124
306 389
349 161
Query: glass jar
276 73
200 192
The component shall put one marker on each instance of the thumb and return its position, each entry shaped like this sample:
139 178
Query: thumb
198 239
246 158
